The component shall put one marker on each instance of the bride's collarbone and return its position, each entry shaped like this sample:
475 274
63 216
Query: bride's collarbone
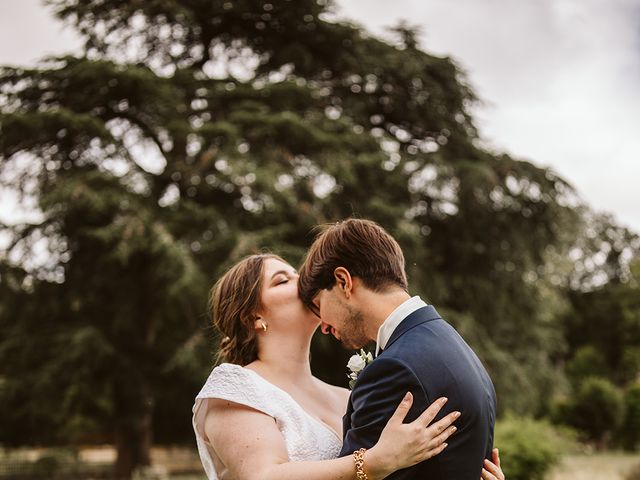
321 403
319 399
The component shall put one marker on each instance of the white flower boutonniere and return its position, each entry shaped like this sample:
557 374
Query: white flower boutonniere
356 364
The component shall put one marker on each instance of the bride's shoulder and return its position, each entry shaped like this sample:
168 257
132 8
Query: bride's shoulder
233 384
226 369
229 370
227 377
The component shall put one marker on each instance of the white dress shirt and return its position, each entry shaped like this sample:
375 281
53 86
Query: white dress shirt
397 316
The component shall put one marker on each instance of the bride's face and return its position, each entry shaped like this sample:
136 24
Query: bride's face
281 304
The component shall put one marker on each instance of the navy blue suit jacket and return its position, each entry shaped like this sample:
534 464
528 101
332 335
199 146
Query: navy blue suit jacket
426 356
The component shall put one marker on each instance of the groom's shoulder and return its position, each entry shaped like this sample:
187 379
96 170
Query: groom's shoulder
421 328
427 340
387 366
385 369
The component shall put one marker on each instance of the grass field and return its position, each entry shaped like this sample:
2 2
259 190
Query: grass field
600 466
183 463
596 466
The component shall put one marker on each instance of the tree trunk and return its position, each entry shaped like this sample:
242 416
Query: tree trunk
134 396
133 432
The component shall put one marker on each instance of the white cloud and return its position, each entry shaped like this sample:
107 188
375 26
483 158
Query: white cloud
558 77
29 32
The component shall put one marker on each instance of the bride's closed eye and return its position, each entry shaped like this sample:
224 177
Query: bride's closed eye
282 278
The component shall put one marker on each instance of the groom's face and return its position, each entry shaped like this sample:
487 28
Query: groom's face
340 318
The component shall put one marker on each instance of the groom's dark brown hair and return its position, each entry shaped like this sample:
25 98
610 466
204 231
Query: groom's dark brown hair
363 247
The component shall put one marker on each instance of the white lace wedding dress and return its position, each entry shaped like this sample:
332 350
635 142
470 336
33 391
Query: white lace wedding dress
306 437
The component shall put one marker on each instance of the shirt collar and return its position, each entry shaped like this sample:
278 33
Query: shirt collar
392 321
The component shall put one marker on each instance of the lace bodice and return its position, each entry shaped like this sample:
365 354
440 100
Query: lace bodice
306 437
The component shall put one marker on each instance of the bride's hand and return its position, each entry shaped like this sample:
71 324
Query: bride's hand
402 445
492 470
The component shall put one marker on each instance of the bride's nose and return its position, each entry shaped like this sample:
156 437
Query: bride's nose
326 329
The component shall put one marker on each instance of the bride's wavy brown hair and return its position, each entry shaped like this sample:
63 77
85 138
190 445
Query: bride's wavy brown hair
234 302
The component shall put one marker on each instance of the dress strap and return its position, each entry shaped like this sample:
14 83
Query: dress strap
239 385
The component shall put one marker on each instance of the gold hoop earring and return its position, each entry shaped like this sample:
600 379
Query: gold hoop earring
264 325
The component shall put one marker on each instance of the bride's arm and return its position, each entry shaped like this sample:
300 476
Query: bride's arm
251 447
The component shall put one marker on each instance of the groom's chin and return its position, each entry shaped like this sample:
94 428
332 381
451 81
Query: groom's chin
350 345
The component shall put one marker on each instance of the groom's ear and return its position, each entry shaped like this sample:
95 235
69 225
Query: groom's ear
344 282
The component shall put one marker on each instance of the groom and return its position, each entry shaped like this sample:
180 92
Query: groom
353 278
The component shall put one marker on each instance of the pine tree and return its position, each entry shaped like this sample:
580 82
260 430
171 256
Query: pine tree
190 133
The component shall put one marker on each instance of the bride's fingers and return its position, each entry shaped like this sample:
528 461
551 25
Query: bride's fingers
432 452
442 424
486 475
442 438
430 413
493 469
402 409
496 456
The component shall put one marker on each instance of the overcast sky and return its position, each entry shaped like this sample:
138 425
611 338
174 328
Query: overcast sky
559 78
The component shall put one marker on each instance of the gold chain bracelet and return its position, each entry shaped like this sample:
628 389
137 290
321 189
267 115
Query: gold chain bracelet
358 459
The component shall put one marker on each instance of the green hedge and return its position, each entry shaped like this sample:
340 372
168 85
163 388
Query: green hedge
630 431
597 410
529 448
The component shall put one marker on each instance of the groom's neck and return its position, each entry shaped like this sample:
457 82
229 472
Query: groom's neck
378 306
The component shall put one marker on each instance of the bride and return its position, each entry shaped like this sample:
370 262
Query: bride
263 415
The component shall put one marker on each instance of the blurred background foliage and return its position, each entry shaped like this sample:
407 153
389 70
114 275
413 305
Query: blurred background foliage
191 133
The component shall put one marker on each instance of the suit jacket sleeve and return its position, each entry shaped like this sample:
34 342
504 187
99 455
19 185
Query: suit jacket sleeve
376 395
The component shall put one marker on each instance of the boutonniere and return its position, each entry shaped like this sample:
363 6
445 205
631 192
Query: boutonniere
356 364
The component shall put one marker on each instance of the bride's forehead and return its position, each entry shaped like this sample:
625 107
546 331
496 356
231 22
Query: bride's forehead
272 265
